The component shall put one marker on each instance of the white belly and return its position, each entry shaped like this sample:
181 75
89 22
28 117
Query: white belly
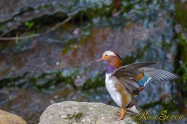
109 82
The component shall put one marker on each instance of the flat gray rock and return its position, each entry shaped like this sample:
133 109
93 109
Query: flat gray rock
71 112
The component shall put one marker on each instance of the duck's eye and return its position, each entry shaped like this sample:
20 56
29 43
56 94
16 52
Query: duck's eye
106 55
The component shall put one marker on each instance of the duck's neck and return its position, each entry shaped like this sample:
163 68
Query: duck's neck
113 64
110 68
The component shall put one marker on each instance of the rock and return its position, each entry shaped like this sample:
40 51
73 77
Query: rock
31 102
44 54
82 113
13 15
8 118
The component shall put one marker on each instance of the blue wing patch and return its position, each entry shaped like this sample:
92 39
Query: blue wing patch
144 80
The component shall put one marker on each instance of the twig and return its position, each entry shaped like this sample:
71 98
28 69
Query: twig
59 24
35 35
19 38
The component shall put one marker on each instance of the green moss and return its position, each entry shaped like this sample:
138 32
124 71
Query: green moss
29 24
180 13
68 45
76 116
181 68
166 45
97 81
13 81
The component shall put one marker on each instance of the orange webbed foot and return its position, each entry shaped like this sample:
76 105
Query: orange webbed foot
121 114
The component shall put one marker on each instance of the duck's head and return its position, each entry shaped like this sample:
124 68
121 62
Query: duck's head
112 58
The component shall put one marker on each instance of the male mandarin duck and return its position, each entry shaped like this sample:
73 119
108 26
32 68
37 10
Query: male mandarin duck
125 82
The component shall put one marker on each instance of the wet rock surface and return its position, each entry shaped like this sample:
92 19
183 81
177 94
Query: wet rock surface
82 113
8 118
47 53
18 13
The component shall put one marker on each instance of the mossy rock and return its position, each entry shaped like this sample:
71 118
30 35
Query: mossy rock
71 112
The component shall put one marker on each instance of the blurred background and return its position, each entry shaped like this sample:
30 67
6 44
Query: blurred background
49 48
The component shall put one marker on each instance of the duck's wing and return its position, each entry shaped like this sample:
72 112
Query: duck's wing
130 74
130 70
158 74
135 76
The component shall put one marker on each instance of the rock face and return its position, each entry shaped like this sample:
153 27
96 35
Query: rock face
8 118
82 113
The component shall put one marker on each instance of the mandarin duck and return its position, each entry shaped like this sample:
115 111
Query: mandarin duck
125 82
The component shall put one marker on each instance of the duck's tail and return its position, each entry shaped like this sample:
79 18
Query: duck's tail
133 109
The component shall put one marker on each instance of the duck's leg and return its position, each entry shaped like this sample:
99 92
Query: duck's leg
121 114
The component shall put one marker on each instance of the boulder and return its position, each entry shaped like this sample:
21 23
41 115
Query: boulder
8 118
82 113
